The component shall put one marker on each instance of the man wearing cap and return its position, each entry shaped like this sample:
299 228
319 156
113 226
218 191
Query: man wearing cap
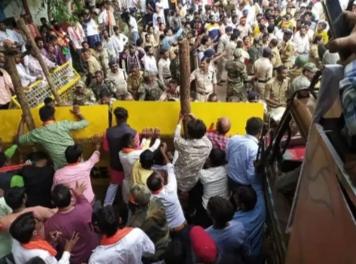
151 89
148 214
297 70
287 49
263 70
82 96
205 79
303 81
236 78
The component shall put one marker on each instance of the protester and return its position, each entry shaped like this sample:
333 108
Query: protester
119 245
54 136
72 218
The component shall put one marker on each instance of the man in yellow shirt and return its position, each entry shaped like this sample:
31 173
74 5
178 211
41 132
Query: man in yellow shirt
142 168
322 32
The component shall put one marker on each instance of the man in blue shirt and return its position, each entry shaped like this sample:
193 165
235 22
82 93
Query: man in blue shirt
251 213
241 154
230 236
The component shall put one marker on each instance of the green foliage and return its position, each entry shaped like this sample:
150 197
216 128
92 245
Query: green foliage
64 10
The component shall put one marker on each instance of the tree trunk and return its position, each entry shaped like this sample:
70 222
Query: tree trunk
21 24
184 65
11 68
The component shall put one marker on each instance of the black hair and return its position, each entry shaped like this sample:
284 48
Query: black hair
14 197
139 42
46 113
220 210
158 157
3 159
73 153
154 181
37 156
254 126
196 128
22 228
274 42
176 252
61 196
246 196
36 260
146 159
121 114
37 39
48 100
217 157
126 140
106 220
281 68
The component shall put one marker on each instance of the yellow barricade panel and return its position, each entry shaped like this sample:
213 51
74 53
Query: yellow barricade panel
164 115
97 115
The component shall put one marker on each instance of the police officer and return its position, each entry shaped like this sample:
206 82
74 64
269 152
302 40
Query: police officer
236 78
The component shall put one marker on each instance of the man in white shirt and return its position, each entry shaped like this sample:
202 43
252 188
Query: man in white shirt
119 246
32 64
149 60
6 89
10 36
167 194
301 41
25 77
214 178
28 243
164 63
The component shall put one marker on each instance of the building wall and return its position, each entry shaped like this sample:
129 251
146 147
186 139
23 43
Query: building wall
38 9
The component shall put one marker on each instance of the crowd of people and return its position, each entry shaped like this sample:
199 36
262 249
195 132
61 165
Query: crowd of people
199 200
128 50
201 203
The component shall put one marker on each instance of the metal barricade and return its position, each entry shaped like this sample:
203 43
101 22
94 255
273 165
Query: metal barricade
64 77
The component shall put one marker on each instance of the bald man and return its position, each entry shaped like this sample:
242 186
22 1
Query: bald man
218 136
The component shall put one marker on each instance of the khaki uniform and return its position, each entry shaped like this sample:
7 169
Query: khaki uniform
103 59
287 52
263 71
237 76
93 65
277 90
204 83
133 84
276 58
151 91
295 72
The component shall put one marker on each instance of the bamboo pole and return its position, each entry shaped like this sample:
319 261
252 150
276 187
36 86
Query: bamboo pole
21 24
11 69
184 66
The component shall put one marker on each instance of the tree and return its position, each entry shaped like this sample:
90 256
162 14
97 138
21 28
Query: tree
64 10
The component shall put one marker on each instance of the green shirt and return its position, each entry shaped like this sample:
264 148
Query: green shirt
5 239
54 138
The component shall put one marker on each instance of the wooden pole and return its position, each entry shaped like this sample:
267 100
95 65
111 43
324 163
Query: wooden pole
11 68
184 66
21 24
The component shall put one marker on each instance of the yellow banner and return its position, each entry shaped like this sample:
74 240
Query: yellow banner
162 115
